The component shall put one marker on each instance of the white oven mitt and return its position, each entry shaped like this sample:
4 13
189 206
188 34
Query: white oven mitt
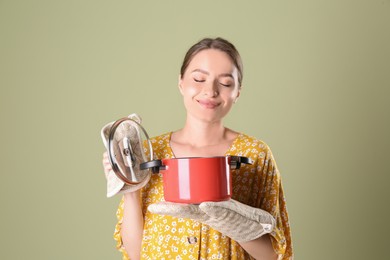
114 184
232 218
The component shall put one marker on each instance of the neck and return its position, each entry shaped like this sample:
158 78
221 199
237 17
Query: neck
201 133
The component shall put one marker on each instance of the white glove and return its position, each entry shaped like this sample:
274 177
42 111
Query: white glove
232 218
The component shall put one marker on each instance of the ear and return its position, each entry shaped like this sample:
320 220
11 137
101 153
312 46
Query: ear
238 95
180 81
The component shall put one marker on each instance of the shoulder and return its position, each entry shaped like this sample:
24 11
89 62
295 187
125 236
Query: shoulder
257 150
161 145
252 147
161 138
245 141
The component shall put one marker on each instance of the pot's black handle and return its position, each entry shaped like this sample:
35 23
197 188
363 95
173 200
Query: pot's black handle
155 166
236 161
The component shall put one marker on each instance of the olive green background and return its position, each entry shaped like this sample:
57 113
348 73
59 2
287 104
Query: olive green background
316 89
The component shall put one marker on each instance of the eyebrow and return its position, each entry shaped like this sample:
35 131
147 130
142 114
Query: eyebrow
207 73
201 71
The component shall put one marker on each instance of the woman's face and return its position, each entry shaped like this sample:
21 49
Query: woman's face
209 85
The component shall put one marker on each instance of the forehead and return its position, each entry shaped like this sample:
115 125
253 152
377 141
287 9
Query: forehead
212 60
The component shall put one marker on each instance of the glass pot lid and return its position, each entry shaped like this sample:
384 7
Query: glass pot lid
127 143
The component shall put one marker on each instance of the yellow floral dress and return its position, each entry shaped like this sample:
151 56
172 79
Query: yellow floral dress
257 185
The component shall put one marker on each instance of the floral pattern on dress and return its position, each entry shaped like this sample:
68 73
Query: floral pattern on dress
257 185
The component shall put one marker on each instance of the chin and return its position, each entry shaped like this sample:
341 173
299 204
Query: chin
208 117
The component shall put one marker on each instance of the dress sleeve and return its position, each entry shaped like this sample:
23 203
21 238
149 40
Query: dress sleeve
273 200
117 232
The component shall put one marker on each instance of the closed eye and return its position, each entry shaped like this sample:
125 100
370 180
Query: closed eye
225 85
199 80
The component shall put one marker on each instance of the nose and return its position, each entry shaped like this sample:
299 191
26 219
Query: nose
211 89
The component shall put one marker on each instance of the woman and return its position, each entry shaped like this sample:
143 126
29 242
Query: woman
210 83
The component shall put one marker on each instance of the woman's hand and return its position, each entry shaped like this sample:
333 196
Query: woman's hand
106 164
114 184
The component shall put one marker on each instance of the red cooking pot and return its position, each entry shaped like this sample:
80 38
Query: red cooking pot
186 180
196 179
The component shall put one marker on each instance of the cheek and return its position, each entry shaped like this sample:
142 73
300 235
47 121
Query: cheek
231 95
189 91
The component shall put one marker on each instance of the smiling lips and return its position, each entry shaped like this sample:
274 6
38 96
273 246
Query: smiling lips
208 104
